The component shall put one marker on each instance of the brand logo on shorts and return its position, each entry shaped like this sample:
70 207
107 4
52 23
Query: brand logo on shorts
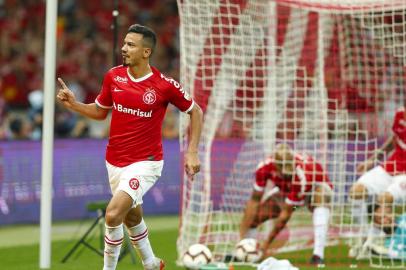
134 183
149 96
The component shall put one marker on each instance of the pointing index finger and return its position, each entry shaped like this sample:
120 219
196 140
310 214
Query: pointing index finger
62 83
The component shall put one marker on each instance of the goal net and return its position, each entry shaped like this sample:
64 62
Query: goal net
324 76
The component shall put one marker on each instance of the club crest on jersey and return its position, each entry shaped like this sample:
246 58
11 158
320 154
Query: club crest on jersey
134 183
149 96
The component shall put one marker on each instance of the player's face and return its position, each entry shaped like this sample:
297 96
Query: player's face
384 217
284 161
285 168
133 51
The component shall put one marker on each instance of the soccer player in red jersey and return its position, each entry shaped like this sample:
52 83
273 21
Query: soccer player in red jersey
296 180
138 95
383 184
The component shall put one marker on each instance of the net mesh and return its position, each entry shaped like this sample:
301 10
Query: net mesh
326 77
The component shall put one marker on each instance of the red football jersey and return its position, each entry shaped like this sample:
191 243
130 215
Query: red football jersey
294 189
396 162
399 129
138 109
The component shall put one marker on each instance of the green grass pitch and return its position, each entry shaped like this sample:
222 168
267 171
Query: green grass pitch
163 233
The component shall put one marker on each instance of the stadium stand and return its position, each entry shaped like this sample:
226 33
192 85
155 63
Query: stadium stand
84 53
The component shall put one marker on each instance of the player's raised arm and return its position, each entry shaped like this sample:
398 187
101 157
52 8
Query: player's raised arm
67 98
192 162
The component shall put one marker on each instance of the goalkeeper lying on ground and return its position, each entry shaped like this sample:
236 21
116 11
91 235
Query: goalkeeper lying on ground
394 245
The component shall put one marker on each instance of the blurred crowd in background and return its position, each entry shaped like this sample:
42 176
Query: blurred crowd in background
84 53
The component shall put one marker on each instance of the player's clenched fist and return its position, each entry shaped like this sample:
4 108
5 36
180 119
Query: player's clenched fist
192 163
65 96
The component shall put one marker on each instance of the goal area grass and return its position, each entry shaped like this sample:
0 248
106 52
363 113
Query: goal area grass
19 248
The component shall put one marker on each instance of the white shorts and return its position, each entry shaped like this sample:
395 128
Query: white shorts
398 189
135 179
376 180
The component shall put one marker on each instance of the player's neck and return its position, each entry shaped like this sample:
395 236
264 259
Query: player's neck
139 71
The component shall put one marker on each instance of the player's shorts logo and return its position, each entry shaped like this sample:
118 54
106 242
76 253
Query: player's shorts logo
149 96
134 183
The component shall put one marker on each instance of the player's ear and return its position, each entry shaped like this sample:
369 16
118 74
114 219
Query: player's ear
147 52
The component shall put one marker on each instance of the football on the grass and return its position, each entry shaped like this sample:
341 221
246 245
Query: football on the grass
196 256
247 250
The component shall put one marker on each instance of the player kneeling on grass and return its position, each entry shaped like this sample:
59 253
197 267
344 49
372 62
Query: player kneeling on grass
298 180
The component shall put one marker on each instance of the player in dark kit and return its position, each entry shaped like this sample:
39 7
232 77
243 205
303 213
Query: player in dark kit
138 95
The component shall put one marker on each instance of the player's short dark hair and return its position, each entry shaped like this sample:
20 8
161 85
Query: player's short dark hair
16 125
149 36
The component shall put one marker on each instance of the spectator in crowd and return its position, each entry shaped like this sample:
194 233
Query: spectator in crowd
35 113
68 124
20 128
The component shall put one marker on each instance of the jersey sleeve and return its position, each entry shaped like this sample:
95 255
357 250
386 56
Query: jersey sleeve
298 187
261 175
293 198
179 97
104 99
296 195
319 174
314 172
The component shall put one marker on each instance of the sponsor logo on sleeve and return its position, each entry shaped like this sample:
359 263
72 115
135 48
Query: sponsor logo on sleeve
186 95
178 86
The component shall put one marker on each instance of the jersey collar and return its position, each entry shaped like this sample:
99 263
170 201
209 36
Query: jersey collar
139 79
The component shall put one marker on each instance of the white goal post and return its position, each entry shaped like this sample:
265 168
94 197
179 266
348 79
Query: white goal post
325 76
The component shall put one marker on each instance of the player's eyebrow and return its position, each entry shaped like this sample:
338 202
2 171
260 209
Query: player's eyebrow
129 43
